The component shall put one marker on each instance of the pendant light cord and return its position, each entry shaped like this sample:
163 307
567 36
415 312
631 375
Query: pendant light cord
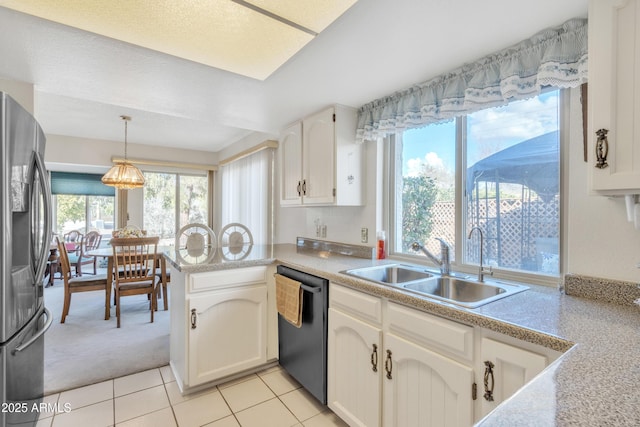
125 139
126 123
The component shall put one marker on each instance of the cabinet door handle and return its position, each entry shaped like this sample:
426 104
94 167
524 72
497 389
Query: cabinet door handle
488 374
193 318
602 148
304 187
374 358
299 188
388 364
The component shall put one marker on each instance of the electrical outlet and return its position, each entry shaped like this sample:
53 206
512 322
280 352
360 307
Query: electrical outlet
364 234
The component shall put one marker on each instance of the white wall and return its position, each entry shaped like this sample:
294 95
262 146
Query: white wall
96 153
601 242
21 92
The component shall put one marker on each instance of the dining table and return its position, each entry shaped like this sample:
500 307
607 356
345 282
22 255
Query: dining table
108 254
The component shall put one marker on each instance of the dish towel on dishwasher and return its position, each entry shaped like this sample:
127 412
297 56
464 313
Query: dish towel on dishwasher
289 299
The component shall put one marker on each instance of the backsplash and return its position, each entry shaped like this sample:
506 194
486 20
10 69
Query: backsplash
606 290
305 244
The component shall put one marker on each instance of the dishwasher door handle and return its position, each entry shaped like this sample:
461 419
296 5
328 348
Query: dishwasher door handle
312 289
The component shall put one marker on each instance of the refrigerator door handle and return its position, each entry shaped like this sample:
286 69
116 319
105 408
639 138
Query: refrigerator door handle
46 236
33 339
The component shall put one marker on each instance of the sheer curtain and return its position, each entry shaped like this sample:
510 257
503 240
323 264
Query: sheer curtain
554 57
246 194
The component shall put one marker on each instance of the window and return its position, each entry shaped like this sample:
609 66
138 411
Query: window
81 202
83 213
172 201
508 186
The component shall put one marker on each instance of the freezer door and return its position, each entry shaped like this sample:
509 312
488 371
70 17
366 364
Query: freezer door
26 219
22 373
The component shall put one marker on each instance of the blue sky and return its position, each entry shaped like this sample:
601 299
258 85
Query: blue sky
488 131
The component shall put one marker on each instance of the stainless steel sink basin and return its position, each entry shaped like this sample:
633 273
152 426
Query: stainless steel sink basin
390 274
460 291
464 292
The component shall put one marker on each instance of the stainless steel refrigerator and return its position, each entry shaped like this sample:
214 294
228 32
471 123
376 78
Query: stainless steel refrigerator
25 237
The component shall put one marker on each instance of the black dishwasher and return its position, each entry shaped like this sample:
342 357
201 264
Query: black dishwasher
303 351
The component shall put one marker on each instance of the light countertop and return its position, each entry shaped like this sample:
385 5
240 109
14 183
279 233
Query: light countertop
595 383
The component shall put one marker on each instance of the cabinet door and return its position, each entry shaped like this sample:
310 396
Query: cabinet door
513 367
614 93
228 330
353 385
425 388
291 170
318 164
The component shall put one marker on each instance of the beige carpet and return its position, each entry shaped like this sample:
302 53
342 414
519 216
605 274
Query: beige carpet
87 349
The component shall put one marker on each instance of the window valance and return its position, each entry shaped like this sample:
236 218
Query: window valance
554 57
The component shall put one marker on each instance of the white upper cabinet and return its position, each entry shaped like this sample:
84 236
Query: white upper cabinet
290 158
614 96
321 163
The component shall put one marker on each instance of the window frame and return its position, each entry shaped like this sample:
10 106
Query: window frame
391 155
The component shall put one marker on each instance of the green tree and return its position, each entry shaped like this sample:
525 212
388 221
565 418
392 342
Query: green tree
418 195
70 208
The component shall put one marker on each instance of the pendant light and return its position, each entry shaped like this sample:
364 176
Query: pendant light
123 175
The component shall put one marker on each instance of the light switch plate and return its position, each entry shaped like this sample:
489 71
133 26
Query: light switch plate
364 234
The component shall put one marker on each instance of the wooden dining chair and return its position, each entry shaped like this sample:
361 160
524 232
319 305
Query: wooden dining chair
161 268
134 260
90 241
98 282
73 244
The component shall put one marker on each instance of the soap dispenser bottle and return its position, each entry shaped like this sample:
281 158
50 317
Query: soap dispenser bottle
381 245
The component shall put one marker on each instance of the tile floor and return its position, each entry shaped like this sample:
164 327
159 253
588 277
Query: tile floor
151 398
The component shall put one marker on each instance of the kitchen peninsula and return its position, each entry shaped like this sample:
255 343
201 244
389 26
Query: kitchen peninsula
593 383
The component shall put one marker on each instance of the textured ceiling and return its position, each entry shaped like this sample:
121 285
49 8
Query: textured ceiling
84 81
252 38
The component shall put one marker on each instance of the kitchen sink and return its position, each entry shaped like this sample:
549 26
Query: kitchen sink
464 292
461 291
390 274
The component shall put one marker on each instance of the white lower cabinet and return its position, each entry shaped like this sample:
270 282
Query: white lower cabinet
228 332
222 324
378 378
424 388
353 369
507 368
390 365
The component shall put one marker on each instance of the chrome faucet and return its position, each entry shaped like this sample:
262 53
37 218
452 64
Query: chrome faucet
444 263
481 270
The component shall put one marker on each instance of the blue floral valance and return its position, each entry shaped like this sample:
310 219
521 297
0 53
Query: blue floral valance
554 57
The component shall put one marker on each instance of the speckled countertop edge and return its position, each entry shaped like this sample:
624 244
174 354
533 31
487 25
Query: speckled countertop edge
592 384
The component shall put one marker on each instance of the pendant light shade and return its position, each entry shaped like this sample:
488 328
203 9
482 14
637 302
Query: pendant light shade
124 175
